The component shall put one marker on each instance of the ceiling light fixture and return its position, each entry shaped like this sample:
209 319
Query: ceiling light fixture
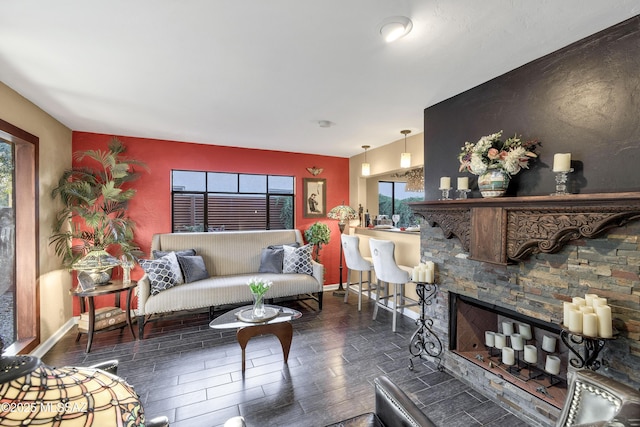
366 167
395 27
325 123
405 158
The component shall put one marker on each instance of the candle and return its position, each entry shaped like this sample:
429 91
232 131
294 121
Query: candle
489 338
599 301
579 301
463 183
530 354
575 321
567 307
589 298
415 274
508 356
605 327
500 341
445 183
548 344
552 365
590 324
586 309
525 331
517 343
422 275
507 328
562 162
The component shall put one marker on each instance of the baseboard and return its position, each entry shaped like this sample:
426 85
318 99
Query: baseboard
47 345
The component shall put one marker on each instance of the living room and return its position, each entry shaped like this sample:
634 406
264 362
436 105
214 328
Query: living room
570 107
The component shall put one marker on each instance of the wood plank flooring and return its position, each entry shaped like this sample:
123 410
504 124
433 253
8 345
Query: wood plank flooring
192 374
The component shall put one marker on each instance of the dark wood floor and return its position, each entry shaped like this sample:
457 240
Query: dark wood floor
192 374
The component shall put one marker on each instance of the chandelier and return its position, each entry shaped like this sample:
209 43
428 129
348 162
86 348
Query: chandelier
415 180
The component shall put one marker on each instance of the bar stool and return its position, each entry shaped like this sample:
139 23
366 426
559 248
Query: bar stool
356 262
387 273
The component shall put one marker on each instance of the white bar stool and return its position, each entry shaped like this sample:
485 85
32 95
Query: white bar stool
356 262
387 271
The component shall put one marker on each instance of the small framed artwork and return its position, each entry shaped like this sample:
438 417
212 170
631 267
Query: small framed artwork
315 198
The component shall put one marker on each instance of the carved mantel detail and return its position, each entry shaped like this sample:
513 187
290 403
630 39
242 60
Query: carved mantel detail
513 228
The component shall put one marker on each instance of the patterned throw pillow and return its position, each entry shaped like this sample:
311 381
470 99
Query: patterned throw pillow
298 260
162 272
193 268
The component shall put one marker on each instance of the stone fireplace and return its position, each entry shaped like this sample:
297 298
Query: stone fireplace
475 294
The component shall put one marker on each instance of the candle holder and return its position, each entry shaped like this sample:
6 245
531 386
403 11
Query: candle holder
462 194
424 340
445 193
561 183
591 348
490 350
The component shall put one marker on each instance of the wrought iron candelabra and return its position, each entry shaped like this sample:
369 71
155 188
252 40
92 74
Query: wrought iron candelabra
424 341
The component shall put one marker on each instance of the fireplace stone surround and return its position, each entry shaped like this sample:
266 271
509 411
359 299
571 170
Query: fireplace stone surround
606 264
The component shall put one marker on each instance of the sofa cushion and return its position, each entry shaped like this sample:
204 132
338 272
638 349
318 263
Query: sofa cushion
162 272
272 258
155 254
193 268
298 260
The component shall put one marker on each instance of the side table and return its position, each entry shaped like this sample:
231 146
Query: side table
113 287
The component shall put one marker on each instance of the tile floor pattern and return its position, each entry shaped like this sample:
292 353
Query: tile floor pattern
192 374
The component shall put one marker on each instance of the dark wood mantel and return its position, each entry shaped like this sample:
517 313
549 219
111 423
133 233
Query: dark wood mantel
500 230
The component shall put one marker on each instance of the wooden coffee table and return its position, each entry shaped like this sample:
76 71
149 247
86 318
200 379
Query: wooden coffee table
280 326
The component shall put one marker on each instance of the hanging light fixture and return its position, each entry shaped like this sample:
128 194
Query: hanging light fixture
366 167
405 158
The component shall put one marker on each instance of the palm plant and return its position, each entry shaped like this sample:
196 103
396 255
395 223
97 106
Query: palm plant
94 199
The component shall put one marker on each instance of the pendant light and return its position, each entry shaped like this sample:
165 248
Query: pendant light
366 167
405 158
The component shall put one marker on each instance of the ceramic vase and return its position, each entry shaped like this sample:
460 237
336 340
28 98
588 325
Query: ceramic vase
493 183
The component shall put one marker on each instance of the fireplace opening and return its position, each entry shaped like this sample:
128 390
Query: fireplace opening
522 350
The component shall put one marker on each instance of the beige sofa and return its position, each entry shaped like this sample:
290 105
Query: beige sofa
231 259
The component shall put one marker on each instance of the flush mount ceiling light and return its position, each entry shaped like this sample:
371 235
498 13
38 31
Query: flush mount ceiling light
325 123
395 27
405 158
366 167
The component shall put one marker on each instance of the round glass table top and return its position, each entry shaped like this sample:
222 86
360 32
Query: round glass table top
234 318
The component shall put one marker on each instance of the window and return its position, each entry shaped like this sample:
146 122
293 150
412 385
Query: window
18 239
214 201
393 198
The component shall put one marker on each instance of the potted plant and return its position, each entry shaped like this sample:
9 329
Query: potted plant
318 234
95 199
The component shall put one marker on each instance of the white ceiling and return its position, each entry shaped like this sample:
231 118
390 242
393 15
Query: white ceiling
262 73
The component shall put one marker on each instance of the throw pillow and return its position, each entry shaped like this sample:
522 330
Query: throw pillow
272 258
185 252
298 260
193 268
162 273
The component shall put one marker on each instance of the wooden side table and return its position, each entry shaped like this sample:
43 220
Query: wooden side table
114 287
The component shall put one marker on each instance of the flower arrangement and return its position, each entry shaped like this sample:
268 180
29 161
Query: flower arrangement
491 152
258 286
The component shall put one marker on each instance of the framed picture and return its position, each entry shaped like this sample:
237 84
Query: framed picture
315 198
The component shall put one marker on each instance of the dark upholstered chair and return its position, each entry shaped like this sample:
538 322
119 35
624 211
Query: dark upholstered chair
393 409
596 400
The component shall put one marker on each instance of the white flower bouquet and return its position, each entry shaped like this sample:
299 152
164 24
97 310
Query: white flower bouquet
491 152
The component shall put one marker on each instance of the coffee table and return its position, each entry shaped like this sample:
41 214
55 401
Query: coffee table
278 324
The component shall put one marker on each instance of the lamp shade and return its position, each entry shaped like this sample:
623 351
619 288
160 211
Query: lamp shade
342 213
405 160
366 169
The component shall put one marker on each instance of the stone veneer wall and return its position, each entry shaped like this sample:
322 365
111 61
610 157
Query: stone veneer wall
608 266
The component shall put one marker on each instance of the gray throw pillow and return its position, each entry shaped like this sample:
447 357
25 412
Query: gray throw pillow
162 272
272 257
193 268
298 260
155 254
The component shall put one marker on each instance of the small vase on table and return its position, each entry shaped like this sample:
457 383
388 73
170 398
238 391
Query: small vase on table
258 305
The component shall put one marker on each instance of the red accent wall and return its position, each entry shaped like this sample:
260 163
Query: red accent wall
151 207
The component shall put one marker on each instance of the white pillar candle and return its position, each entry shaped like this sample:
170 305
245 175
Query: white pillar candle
500 341
517 343
567 307
579 301
525 331
575 321
590 324
507 328
415 274
605 327
562 162
508 356
548 344
530 354
599 301
489 338
445 182
586 309
552 365
463 183
589 298
431 275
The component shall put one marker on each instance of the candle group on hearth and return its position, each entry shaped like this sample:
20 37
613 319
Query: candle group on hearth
589 316
424 272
